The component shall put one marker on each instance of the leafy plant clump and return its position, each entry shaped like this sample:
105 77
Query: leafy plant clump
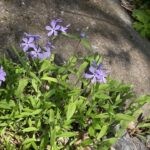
70 106
142 17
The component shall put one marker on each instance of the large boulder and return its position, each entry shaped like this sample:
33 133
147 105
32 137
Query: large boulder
126 54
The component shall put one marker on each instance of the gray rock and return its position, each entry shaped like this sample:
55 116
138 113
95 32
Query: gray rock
126 54
128 143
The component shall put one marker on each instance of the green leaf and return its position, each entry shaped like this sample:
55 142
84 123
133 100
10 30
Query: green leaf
72 36
4 124
22 84
44 141
143 99
34 76
86 43
109 142
86 142
118 100
67 134
142 15
7 105
53 137
91 131
82 68
29 112
120 116
34 145
50 79
51 116
71 110
142 23
30 129
45 66
144 125
28 140
101 116
35 85
102 96
102 132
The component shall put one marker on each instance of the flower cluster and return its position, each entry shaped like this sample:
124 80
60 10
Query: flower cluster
30 46
54 27
2 75
96 73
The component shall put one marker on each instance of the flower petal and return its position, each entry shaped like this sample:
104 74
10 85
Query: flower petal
31 39
55 33
25 40
92 69
57 27
25 48
50 33
53 23
32 45
48 28
88 76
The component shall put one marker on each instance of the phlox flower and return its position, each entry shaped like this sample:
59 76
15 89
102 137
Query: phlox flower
2 75
96 73
35 53
64 29
46 52
41 53
29 41
55 27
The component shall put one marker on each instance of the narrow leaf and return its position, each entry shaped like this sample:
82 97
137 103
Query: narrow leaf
120 116
22 84
71 110
28 140
6 105
50 79
34 85
102 132
86 43
67 134
30 129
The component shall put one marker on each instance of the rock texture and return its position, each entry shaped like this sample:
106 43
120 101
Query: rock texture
126 55
128 143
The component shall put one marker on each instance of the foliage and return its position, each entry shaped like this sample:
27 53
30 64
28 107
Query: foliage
41 108
142 17
143 21
141 3
45 105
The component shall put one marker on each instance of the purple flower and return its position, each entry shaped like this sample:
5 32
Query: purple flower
54 27
35 53
44 55
36 37
83 35
49 45
2 75
47 51
33 49
96 73
41 53
64 29
28 43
